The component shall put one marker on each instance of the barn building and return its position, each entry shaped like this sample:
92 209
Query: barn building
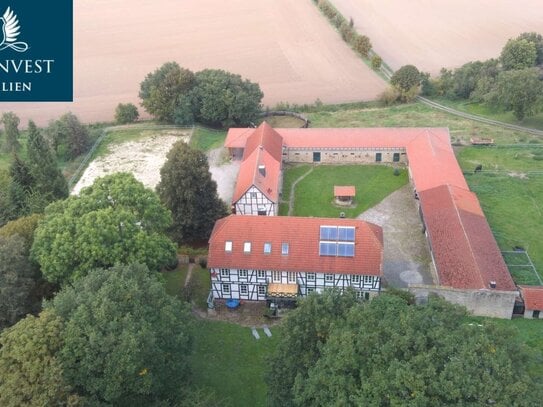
278 257
533 301
470 268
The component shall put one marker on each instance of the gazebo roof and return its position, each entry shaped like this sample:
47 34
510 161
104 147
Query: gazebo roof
344 190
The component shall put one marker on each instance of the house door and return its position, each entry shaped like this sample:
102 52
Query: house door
535 315
317 157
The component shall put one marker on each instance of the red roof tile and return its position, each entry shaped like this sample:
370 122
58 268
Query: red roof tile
533 296
267 138
347 190
465 251
302 235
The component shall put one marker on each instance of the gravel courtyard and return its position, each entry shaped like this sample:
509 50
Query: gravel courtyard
407 257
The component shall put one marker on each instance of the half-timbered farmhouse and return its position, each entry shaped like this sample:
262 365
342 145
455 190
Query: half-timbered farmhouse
469 265
278 257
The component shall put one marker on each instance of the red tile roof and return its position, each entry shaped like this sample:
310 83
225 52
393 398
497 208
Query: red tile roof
347 190
267 138
302 235
533 296
465 252
265 179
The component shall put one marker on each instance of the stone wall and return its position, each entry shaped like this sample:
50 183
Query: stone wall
345 156
488 303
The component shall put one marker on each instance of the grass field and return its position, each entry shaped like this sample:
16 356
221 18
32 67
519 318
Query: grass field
229 360
207 139
314 195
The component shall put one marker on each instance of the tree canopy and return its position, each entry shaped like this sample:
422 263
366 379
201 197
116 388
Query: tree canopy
186 188
126 342
518 54
11 127
114 221
405 78
388 353
68 137
31 372
126 113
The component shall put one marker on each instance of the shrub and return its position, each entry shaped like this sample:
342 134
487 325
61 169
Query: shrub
362 45
389 96
376 61
346 32
126 113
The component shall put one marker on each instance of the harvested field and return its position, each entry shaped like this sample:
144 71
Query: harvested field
447 33
286 46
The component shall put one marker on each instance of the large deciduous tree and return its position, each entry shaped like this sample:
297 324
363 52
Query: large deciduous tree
518 53
405 78
31 372
114 221
186 188
16 280
519 91
160 90
126 341
537 40
305 330
11 127
68 137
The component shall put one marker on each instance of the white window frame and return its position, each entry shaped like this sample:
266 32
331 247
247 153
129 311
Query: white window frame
261 290
310 290
355 279
284 248
261 273
311 276
291 277
267 246
228 246
253 195
225 272
242 272
276 273
244 289
368 280
247 247
329 278
225 288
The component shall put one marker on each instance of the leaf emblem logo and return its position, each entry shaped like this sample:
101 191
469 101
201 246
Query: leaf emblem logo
10 32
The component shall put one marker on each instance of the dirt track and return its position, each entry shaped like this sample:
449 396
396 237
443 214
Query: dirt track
446 33
286 46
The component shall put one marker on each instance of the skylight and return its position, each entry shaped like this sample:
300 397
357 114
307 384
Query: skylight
267 248
284 248
247 247
228 246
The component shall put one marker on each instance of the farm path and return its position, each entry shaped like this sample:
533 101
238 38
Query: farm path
223 173
293 188
407 258
189 274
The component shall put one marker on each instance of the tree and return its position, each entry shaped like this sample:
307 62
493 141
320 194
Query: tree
20 187
16 280
6 209
225 99
48 179
376 62
362 45
126 341
186 188
11 128
305 331
126 113
537 40
161 89
518 54
389 353
114 221
519 91
68 137
405 78
31 372
24 227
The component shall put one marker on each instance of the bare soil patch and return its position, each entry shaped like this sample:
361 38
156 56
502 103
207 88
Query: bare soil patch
143 158
447 33
286 46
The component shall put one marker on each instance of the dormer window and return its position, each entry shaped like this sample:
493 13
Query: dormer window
228 246
247 247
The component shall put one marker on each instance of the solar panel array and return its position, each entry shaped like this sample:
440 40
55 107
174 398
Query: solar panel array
337 241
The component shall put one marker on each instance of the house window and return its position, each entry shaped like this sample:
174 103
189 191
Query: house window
276 275
378 157
267 248
310 290
228 246
396 157
226 288
291 277
328 277
311 276
247 247
243 273
261 290
253 195
261 211
243 289
368 279
225 272
284 249
261 273
355 279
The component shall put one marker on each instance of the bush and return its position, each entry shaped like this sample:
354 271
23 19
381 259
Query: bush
362 45
389 96
126 113
376 62
346 32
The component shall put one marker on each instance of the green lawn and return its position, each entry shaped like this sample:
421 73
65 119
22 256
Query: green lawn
230 361
314 195
207 139
174 280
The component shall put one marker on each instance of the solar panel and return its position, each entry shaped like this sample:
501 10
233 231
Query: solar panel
328 232
345 249
328 249
346 233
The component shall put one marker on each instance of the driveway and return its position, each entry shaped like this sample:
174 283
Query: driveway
224 171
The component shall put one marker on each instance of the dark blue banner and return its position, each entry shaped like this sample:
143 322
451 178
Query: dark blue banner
36 51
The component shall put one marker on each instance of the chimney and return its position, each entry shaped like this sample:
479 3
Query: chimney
262 170
492 284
